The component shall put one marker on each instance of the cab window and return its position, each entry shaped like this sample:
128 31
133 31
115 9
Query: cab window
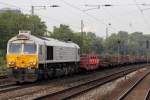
15 48
29 48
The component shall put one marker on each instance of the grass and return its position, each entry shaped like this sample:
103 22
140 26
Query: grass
3 69
2 61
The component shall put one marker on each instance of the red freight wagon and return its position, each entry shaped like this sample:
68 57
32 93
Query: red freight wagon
104 61
124 60
115 60
89 61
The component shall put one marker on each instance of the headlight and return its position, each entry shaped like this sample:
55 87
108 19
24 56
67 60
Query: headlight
11 63
32 63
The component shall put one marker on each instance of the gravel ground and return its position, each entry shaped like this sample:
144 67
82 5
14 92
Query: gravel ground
63 84
111 90
50 87
140 90
6 81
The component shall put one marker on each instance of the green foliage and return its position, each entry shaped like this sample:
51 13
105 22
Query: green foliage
89 39
2 61
121 42
129 44
62 33
3 71
11 23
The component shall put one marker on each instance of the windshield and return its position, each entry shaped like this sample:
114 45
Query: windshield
15 48
29 48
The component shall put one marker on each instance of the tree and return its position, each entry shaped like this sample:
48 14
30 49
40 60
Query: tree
63 32
90 40
137 43
11 23
96 45
111 44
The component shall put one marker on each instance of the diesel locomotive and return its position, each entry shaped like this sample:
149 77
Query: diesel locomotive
30 57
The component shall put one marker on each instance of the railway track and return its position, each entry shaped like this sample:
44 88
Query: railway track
126 93
6 85
9 87
3 77
85 87
147 97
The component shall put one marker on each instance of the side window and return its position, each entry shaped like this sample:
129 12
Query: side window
49 53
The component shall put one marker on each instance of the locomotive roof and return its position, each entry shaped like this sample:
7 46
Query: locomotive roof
45 40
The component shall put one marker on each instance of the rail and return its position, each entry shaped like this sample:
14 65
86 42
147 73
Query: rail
85 87
147 97
132 87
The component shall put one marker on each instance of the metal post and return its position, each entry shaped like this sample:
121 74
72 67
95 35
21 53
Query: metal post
44 7
106 52
147 48
107 27
147 57
32 10
118 54
106 32
118 50
82 25
109 24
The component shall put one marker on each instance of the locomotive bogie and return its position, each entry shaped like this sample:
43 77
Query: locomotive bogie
23 75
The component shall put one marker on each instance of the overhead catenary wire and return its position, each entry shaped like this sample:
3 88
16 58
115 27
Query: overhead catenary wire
98 6
142 14
27 10
146 9
101 5
79 9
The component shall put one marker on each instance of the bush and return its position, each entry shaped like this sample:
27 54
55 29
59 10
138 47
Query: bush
2 61
3 71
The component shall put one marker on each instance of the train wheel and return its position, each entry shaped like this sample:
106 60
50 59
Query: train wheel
45 76
40 75
18 82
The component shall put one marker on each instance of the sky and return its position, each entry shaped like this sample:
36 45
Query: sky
124 15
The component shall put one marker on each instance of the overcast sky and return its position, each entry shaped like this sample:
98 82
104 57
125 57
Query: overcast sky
125 15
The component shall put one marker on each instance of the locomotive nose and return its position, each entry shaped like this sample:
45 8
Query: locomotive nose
22 61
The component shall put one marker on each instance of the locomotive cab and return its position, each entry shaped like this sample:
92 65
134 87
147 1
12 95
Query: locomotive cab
22 58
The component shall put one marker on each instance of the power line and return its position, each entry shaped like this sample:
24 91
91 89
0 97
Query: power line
144 19
79 9
146 9
98 7
42 7
57 20
106 5
12 5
